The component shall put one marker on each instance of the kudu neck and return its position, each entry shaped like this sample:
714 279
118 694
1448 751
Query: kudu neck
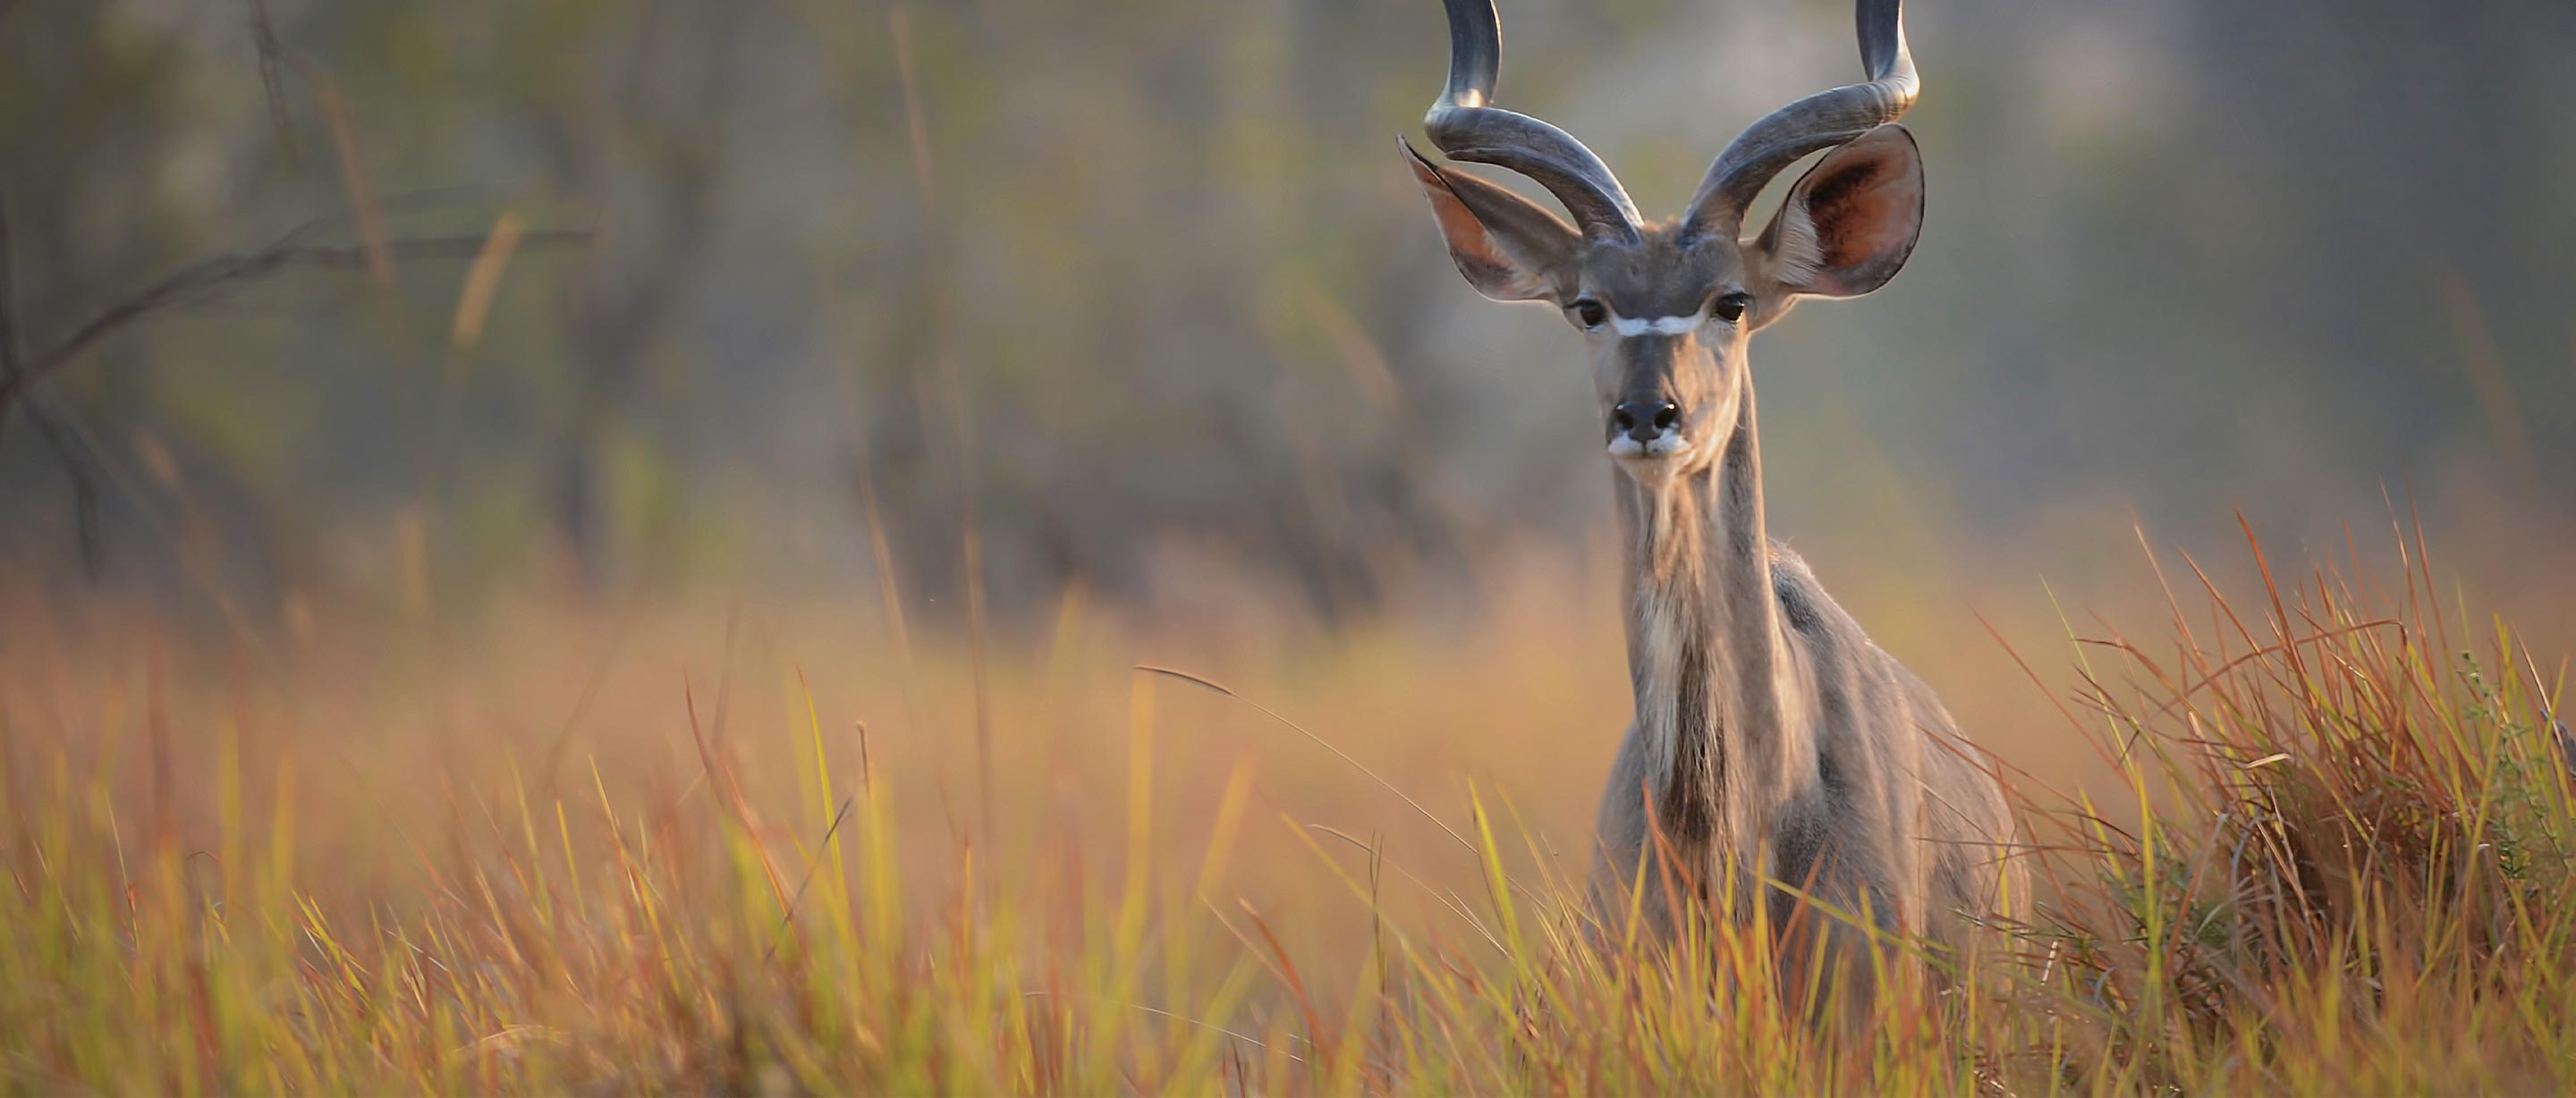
1706 657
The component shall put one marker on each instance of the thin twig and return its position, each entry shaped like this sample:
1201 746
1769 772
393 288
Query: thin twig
264 35
787 918
12 353
2556 729
961 428
196 281
1320 741
83 476
75 465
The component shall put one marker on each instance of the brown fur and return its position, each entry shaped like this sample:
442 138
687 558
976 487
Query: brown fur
1771 738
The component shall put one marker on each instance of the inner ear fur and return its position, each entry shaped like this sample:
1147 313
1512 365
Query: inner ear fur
1852 220
1508 247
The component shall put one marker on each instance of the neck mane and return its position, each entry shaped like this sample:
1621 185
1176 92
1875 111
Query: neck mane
1707 661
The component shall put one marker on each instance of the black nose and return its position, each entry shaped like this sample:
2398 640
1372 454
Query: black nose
1645 420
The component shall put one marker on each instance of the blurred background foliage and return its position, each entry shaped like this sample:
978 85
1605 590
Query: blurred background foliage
1138 292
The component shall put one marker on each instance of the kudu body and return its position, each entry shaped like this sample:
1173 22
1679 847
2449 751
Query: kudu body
1771 738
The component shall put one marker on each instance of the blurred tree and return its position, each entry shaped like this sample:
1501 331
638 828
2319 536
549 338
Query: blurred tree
649 163
1187 302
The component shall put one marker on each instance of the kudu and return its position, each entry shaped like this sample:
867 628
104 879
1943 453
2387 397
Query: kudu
1771 738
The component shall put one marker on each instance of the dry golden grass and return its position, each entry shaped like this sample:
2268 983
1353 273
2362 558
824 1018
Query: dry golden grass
700 846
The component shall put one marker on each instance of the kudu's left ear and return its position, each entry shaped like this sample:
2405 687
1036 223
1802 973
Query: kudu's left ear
1852 220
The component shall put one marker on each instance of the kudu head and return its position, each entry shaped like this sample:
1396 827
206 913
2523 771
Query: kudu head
1667 308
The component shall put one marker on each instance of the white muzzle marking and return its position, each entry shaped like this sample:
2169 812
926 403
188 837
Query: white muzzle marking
1668 444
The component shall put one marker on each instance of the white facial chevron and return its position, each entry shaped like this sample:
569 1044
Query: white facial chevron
1662 325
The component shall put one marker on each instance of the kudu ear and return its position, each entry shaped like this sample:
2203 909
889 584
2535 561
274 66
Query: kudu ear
1510 248
1852 220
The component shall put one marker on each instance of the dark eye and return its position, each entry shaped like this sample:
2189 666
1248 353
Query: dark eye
1589 313
1730 307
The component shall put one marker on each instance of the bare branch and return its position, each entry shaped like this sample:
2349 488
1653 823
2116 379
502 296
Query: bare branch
77 469
20 371
264 35
12 346
198 280
13 357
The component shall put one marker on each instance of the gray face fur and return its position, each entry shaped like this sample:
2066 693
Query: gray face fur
1667 364
1666 316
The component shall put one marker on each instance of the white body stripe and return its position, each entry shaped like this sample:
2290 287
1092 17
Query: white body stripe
1662 325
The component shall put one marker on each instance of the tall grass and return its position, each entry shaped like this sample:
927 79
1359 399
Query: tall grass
2354 876
2337 862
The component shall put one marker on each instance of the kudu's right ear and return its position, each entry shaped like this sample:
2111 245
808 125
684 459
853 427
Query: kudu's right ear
1510 248
1851 221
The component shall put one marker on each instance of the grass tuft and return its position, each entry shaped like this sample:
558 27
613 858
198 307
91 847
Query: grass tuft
2337 860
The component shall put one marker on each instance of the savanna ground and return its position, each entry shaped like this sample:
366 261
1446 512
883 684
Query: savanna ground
579 845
